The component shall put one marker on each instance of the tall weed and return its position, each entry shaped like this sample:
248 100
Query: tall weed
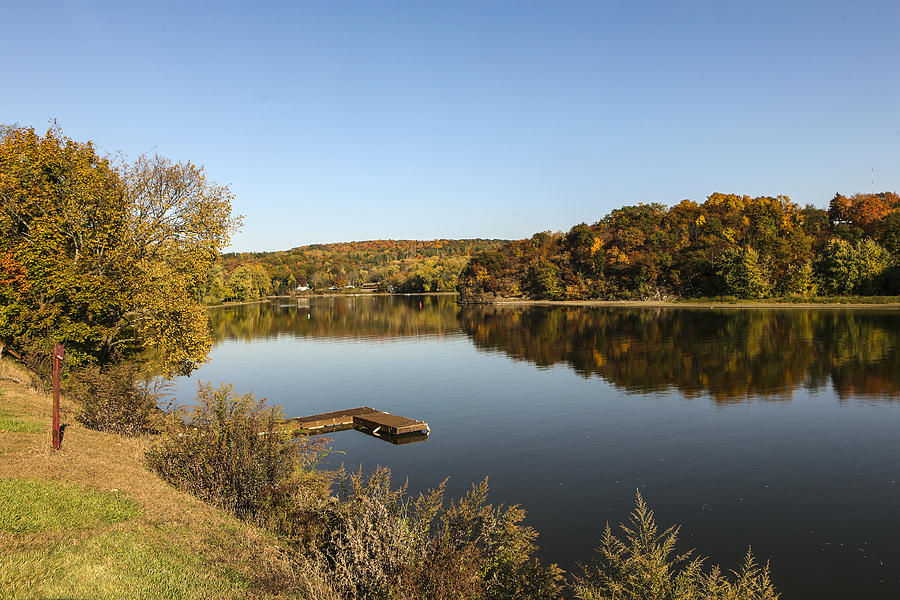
37 360
643 564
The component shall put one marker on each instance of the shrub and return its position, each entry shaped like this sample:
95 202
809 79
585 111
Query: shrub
503 546
643 565
117 399
369 537
229 451
37 360
381 543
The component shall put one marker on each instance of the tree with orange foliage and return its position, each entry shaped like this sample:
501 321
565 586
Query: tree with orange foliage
861 214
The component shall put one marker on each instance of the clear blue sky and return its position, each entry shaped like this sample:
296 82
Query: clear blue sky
341 121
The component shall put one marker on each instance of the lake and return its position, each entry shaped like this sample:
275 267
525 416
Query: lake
773 428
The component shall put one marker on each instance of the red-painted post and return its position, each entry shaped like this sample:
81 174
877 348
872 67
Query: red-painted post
58 354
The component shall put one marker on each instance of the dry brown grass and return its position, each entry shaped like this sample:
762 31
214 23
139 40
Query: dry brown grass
185 545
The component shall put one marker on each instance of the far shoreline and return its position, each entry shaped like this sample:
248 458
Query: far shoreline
681 303
342 295
229 304
690 304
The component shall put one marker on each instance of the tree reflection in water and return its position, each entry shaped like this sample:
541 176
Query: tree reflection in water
731 354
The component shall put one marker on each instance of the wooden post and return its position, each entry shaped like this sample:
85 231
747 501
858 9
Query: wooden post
58 353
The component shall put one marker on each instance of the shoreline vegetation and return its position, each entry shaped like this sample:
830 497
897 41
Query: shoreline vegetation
347 294
730 246
864 302
385 266
818 302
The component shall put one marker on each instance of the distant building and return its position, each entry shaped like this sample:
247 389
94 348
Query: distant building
303 288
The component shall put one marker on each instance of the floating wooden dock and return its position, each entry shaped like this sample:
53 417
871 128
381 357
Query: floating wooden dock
373 420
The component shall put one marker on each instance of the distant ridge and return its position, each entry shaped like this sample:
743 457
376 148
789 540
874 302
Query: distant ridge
446 244
406 266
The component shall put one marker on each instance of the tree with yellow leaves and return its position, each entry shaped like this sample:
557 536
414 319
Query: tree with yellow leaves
109 260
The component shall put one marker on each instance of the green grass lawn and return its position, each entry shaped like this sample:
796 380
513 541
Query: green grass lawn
14 424
63 540
131 563
37 505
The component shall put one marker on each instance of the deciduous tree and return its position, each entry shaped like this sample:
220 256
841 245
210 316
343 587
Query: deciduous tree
107 260
848 268
742 275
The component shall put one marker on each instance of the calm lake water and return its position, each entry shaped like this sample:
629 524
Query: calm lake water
778 429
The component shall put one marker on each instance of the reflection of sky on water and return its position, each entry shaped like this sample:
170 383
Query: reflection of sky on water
807 483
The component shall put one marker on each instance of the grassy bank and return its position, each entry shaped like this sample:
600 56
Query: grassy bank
91 522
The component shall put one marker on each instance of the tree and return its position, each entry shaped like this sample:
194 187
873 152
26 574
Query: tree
585 249
742 275
107 260
542 280
815 220
890 233
262 283
214 290
62 212
241 286
799 280
846 268
860 215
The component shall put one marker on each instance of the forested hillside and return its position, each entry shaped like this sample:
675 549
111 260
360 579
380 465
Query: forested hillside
727 246
394 265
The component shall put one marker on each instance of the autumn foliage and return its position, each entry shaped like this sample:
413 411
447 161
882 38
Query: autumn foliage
729 245
402 266
107 259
